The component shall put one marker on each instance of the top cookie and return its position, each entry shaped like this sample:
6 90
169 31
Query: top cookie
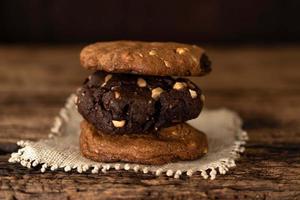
146 58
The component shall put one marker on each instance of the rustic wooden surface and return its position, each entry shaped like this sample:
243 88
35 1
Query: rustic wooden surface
261 83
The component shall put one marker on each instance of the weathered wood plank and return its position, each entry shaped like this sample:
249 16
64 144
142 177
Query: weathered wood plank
261 173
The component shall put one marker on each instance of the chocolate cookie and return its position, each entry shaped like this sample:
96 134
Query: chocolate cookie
146 58
115 103
180 142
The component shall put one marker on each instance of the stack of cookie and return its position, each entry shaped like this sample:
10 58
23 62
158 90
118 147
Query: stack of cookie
134 108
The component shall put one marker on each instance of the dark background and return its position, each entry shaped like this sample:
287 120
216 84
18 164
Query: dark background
213 21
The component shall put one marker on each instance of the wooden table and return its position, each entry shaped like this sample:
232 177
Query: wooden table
261 83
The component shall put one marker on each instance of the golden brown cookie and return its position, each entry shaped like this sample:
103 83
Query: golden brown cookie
180 142
147 58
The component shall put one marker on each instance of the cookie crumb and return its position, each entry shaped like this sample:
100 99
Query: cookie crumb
117 95
118 124
152 53
179 85
167 63
156 92
141 82
181 50
193 93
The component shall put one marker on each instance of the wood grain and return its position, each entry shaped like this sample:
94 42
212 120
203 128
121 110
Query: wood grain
261 83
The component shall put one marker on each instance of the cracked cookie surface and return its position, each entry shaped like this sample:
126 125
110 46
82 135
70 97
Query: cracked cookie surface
124 104
179 142
146 58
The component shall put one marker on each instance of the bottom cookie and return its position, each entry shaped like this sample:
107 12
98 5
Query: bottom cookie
180 142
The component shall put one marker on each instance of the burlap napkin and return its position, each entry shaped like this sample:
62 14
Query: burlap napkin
61 150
